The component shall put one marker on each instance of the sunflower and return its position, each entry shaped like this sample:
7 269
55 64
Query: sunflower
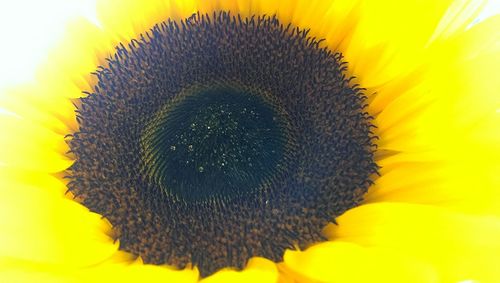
258 141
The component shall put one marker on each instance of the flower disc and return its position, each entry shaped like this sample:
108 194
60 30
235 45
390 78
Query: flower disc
220 138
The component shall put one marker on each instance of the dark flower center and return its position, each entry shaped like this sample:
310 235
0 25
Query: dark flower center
219 138
216 143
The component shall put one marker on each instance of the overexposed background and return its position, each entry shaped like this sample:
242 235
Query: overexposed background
29 28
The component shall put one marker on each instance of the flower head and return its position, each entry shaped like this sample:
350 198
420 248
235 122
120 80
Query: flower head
344 141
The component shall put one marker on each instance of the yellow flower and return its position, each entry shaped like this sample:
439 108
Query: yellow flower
415 79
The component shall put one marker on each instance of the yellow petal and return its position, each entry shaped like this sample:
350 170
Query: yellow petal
30 146
37 223
459 246
467 186
347 262
25 101
24 272
123 21
443 134
458 97
389 38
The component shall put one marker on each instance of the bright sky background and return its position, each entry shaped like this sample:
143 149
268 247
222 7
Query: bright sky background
29 28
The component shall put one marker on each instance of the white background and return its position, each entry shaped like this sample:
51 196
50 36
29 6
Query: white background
29 28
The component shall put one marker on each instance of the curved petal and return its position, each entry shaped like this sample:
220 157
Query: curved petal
38 223
459 246
443 136
31 146
347 262
21 271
